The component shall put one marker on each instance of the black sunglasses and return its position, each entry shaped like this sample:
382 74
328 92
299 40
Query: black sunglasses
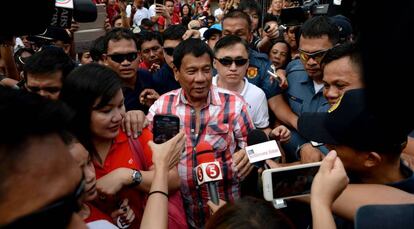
169 51
55 215
228 61
119 58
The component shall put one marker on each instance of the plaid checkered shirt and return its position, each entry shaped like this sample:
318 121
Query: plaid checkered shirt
224 124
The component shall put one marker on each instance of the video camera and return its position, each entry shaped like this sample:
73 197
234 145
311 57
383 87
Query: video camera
36 16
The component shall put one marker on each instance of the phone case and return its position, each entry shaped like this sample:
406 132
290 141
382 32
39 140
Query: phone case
268 182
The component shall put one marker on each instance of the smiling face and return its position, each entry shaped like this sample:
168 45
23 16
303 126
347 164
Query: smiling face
106 121
195 77
340 76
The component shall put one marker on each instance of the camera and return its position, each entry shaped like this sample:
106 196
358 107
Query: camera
48 13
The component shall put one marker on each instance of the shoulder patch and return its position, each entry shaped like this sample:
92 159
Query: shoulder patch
252 72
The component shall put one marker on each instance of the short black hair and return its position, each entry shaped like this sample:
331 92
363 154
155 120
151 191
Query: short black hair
26 115
252 5
289 52
81 90
251 213
97 48
192 46
318 26
238 14
119 34
228 41
350 49
49 59
174 32
148 36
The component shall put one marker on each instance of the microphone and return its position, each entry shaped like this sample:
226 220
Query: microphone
208 170
260 148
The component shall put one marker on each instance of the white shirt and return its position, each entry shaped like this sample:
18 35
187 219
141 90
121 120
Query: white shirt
256 103
139 15
317 87
217 12
101 224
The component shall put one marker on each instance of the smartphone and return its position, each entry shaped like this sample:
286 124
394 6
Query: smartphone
289 182
165 127
161 2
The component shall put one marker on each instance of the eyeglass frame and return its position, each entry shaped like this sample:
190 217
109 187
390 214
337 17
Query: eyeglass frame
220 60
313 54
125 56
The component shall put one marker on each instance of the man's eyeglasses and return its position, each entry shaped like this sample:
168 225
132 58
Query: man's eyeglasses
50 90
317 56
169 51
55 215
228 61
119 58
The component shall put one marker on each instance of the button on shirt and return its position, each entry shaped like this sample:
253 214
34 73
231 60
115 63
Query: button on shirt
224 124
301 91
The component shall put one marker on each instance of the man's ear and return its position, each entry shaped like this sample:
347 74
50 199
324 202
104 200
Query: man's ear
372 159
105 59
66 48
176 73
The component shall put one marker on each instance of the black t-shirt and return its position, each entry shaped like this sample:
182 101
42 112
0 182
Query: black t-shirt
144 80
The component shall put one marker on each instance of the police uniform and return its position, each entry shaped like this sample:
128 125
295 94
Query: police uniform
301 97
257 74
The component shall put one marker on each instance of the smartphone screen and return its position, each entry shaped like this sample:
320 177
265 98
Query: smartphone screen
165 127
293 182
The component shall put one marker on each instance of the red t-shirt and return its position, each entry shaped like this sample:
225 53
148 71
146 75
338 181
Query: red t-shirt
96 214
121 155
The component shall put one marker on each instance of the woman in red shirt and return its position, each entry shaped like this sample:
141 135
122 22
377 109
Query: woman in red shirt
94 92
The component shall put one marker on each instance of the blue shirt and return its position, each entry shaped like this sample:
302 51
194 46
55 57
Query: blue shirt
144 80
164 81
302 98
301 92
257 74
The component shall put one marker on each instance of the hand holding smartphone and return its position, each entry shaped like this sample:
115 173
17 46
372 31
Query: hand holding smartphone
165 127
289 182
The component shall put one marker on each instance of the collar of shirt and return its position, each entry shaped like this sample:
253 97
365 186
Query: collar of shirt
213 97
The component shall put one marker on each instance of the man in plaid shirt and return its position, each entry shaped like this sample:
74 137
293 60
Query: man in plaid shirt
209 114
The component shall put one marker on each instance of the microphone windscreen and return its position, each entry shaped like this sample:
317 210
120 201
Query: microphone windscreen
205 152
256 136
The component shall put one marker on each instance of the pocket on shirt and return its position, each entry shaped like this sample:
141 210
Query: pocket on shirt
217 136
296 104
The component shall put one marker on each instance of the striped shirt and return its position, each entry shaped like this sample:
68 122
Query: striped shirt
224 124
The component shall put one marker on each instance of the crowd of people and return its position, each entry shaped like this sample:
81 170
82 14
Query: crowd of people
78 146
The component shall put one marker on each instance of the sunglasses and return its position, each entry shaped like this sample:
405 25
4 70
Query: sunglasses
51 90
119 58
55 215
228 61
317 56
169 51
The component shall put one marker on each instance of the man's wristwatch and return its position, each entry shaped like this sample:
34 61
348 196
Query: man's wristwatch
136 177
